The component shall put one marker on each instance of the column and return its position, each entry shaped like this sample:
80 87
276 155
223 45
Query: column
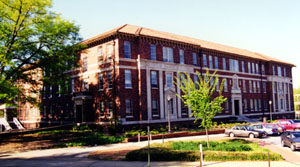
273 93
148 94
161 95
278 99
190 111
178 98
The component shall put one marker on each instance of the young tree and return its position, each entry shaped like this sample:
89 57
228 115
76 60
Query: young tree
33 37
198 96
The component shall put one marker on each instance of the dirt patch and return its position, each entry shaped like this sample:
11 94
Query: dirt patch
112 154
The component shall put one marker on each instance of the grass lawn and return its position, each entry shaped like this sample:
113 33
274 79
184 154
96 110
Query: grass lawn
224 150
76 136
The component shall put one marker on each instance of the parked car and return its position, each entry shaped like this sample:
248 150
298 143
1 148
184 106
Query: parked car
296 120
280 128
291 139
243 131
289 124
266 128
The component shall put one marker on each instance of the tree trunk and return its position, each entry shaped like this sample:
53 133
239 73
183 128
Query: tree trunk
207 137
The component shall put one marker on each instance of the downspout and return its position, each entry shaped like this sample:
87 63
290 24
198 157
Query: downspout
262 91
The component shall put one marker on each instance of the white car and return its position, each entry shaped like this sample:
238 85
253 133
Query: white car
267 129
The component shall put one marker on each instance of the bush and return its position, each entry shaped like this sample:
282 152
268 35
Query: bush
84 127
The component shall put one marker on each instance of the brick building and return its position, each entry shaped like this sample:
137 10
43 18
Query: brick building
127 73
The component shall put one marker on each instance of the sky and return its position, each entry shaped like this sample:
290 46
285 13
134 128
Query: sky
270 27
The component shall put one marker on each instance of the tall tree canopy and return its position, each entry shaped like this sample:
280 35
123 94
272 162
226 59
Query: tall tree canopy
32 37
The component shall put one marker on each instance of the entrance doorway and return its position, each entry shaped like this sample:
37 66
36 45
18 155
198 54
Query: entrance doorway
78 113
237 107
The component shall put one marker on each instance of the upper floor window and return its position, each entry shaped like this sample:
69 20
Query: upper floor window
181 56
196 79
216 62
225 85
274 87
127 50
257 71
284 71
265 87
100 54
153 52
85 84
250 86
210 62
85 64
249 67
100 78
258 87
109 51
109 79
194 58
233 65
244 86
274 72
224 63
154 79
50 91
72 85
169 80
279 71
129 108
168 54
204 60
254 86
253 68
128 79
263 69
243 66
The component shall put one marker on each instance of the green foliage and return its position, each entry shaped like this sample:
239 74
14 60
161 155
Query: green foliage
33 37
84 127
237 150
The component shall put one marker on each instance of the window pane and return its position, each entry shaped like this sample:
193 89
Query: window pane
127 49
194 59
216 62
181 56
153 52
128 79
169 80
100 81
204 61
154 79
210 62
224 64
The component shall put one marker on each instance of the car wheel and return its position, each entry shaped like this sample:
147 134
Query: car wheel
265 134
282 143
231 135
292 147
251 136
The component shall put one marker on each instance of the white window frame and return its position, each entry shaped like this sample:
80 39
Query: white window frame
168 54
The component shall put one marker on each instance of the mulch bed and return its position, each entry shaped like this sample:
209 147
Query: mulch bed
112 154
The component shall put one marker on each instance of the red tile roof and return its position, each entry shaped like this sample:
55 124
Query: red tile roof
141 31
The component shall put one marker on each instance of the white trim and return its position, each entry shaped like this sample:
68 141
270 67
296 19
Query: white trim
149 100
161 95
127 59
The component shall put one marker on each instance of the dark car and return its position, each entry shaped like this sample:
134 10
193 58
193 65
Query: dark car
291 139
243 131
296 120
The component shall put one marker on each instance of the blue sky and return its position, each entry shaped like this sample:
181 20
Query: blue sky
270 27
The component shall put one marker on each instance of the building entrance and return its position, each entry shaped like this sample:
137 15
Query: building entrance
237 107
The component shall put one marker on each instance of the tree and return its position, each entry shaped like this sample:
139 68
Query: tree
33 37
198 96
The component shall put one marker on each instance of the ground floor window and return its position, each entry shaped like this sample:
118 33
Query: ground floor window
155 108
129 109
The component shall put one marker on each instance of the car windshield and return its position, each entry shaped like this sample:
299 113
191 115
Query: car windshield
269 126
292 121
296 135
249 128
297 121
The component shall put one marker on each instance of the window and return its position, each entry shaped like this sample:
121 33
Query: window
245 105
85 85
263 69
210 62
274 87
254 86
154 79
225 85
100 54
284 71
84 64
279 71
194 58
226 106
127 50
100 81
274 72
253 68
233 65
72 85
276 104
128 79
265 87
259 105
152 52
169 80
204 61
266 105
243 66
50 91
196 80
168 54
250 86
110 108
101 108
244 86
170 106
109 79
181 56
224 63
109 51
257 72
258 87
155 107
129 109
249 67
59 90
251 105
216 62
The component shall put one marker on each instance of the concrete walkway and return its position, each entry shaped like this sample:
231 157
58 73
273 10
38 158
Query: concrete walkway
77 157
